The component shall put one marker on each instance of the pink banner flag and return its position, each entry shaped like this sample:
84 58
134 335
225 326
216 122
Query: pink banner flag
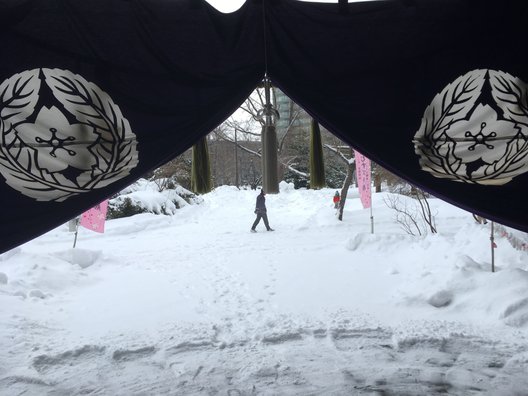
94 219
363 179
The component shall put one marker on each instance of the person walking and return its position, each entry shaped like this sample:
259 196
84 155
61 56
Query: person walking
336 200
261 212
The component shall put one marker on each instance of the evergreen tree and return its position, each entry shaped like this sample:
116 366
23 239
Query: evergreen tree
317 172
201 168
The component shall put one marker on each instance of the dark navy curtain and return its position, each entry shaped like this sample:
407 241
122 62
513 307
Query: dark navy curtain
93 94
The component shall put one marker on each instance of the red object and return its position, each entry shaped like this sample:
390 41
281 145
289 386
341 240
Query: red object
494 245
336 198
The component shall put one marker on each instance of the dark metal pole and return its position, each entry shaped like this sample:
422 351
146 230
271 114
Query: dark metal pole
267 89
371 219
236 159
492 239
76 232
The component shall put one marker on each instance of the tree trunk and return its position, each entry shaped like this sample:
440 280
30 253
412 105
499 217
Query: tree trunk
376 176
344 190
317 172
201 168
377 182
270 180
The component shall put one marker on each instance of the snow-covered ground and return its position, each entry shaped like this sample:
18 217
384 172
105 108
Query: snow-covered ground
194 304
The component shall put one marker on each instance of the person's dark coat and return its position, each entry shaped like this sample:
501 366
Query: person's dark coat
260 207
260 211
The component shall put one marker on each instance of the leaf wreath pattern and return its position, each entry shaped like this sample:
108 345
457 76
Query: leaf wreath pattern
448 107
18 97
95 108
511 95
101 143
462 141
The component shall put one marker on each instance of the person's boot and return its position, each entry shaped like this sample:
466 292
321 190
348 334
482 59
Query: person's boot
271 229
253 230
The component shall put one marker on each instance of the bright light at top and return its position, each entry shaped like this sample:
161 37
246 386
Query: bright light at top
227 6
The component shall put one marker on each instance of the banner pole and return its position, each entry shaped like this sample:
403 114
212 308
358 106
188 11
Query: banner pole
76 232
371 220
492 239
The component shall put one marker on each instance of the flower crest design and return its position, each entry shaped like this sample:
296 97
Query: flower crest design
60 144
476 129
483 137
53 148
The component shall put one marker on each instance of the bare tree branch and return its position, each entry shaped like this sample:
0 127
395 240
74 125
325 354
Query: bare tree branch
251 107
248 111
239 145
340 155
303 174
289 165
426 210
344 190
295 115
351 167
262 101
244 130
406 217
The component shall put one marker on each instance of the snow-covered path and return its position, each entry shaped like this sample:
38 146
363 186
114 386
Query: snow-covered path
343 359
195 304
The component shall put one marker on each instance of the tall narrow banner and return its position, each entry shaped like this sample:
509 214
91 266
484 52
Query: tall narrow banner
94 219
363 179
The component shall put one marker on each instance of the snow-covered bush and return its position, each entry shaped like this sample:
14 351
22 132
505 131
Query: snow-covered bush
123 207
145 197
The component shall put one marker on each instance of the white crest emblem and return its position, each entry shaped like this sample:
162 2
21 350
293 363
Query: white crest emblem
476 129
61 135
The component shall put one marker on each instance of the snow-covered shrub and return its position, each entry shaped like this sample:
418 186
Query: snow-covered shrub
297 180
285 186
123 207
145 197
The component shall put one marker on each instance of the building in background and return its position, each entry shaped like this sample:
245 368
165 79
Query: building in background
287 111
